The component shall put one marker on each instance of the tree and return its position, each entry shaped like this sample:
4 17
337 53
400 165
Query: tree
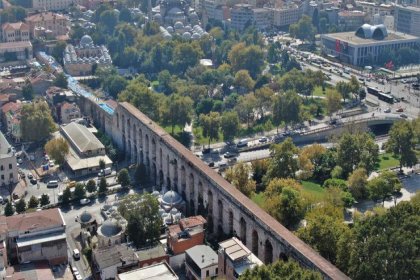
66 197
103 186
114 84
177 110
102 164
45 199
186 55
243 81
323 232
245 108
28 90
333 101
20 206
303 29
357 183
140 175
8 209
283 163
401 143
287 207
239 176
229 125
280 270
36 121
210 124
109 20
383 186
383 245
124 178
310 159
33 202
125 15
264 97
344 89
357 150
286 108
144 221
60 80
355 85
57 149
91 186
79 191
58 51
250 58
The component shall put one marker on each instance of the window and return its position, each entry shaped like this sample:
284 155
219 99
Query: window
1 168
207 273
11 176
2 177
10 166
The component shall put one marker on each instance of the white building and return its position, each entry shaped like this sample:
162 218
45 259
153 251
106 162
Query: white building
407 20
8 163
285 16
235 258
244 15
51 5
159 271
201 262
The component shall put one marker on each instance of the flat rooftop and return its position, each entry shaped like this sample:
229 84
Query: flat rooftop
351 38
160 271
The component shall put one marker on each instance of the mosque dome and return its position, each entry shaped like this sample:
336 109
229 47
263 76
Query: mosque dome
178 25
85 217
171 198
195 36
186 35
86 41
109 229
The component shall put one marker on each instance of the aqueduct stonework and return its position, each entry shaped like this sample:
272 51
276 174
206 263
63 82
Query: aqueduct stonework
227 210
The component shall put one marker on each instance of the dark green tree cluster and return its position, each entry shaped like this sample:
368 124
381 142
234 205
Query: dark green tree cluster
144 221
280 270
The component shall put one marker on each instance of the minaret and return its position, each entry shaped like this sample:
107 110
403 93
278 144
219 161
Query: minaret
149 10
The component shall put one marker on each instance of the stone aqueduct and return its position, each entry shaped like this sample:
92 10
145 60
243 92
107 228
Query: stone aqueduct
227 210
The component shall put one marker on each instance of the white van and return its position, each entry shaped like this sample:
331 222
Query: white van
242 143
105 172
76 254
52 184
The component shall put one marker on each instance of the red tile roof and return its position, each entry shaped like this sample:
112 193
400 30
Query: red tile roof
192 222
11 106
35 220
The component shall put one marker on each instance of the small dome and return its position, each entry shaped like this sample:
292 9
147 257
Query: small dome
186 35
195 36
110 228
86 41
193 15
85 217
170 29
178 25
171 197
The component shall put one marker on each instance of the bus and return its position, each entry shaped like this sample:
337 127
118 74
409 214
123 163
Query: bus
386 97
373 91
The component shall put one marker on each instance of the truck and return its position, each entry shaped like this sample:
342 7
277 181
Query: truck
105 172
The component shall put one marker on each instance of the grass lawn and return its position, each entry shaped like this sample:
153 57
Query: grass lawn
387 161
313 189
155 83
200 139
168 129
318 91
259 199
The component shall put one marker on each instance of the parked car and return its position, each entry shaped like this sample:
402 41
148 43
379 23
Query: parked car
206 151
30 176
52 184
33 181
211 164
105 172
84 201
404 116
399 110
51 163
76 256
229 155
263 139
387 110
